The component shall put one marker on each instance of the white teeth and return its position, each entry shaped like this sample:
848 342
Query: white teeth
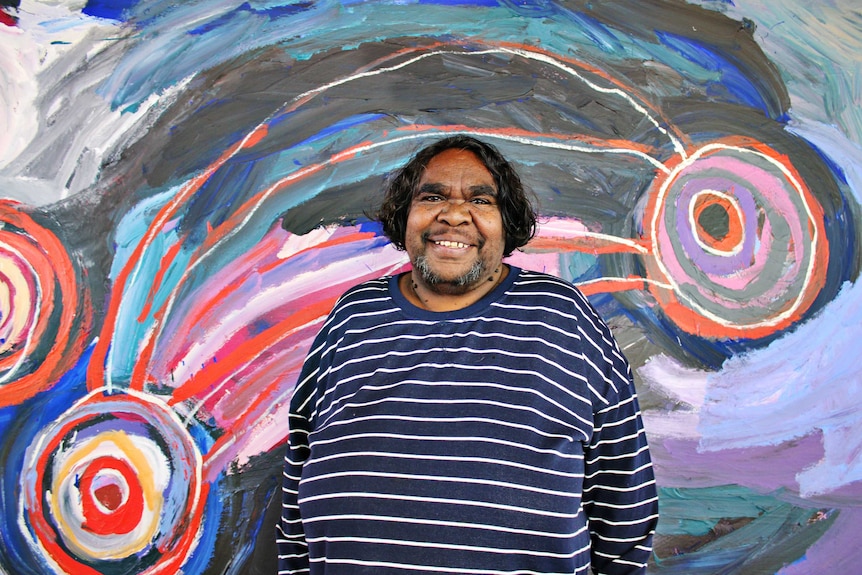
448 244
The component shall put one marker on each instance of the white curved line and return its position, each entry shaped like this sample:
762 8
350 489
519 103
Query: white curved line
28 341
693 223
180 197
610 278
797 303
615 91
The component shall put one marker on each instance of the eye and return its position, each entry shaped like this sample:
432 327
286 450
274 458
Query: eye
484 201
429 198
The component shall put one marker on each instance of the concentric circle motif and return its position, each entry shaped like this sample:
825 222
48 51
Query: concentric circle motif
113 486
40 307
738 242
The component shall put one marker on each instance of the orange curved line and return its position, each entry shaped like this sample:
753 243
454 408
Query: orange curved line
139 378
584 244
228 364
607 77
139 374
63 352
692 321
594 142
38 260
167 262
96 369
612 285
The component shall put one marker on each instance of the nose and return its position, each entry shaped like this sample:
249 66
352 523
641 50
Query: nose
455 211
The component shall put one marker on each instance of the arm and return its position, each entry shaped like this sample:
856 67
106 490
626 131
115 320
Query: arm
290 534
620 497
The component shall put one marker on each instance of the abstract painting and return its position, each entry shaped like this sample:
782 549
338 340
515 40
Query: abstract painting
187 187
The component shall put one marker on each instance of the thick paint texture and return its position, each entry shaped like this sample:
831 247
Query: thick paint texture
186 190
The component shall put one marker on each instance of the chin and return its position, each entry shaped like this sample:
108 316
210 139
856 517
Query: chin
463 279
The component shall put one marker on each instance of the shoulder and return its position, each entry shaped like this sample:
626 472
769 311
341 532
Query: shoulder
368 298
539 285
533 278
553 295
367 290
564 306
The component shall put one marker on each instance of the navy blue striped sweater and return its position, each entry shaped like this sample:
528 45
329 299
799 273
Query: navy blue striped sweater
499 439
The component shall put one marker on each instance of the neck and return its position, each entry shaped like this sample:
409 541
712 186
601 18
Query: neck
437 298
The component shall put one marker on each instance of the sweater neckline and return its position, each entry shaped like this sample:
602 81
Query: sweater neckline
416 312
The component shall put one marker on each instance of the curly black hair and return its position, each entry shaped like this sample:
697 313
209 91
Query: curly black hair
519 216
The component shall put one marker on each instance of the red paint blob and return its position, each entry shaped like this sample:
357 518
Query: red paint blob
8 19
110 496
105 511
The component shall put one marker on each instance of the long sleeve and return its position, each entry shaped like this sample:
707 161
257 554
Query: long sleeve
620 496
462 443
290 536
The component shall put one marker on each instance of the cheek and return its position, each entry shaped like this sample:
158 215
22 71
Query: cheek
413 230
409 225
419 219
493 230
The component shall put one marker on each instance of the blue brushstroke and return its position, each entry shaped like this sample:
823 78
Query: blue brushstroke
272 12
485 3
370 226
602 36
532 9
29 419
733 81
203 552
337 127
110 9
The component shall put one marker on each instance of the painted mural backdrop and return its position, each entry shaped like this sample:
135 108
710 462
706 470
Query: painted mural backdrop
185 193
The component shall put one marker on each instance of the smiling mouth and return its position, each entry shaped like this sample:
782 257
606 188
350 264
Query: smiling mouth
450 244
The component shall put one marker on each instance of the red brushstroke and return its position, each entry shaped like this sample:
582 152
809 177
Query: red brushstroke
239 357
612 285
583 244
46 255
695 323
8 19
96 371
123 516
174 549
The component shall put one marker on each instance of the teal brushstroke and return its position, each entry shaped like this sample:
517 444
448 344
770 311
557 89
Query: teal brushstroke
697 511
130 329
736 531
328 24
